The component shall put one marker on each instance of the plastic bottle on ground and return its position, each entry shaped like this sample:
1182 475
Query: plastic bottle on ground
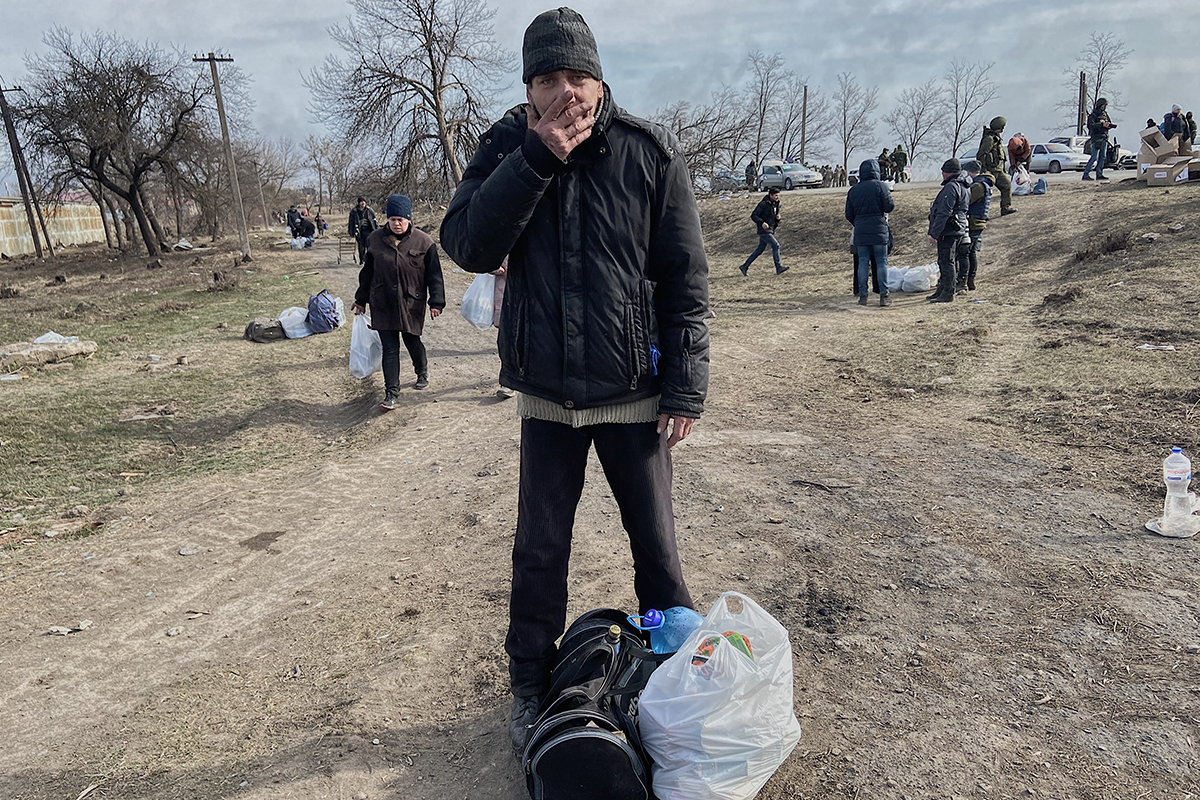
669 629
1177 519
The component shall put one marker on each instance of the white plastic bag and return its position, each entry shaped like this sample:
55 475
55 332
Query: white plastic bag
895 278
718 730
920 279
366 353
477 301
293 321
1021 184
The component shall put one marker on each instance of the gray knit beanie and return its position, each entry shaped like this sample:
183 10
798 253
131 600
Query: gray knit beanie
559 39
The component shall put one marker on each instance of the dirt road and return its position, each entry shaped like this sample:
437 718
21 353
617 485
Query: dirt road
974 608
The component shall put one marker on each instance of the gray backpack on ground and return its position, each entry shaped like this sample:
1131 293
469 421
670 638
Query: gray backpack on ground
264 330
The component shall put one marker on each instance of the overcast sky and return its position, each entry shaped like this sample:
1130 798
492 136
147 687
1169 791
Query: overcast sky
657 51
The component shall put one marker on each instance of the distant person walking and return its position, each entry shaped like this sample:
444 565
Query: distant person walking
977 219
1191 129
766 220
867 205
751 175
1098 127
400 274
948 228
991 156
362 225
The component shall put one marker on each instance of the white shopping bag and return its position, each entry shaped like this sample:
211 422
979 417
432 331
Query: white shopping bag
717 722
366 353
477 301
294 322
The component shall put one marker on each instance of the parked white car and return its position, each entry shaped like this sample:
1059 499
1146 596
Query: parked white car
1055 157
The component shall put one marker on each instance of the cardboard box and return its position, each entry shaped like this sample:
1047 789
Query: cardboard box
1169 173
1160 145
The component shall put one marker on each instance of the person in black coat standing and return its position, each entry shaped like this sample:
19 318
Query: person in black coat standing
867 205
400 273
602 333
362 224
948 229
766 220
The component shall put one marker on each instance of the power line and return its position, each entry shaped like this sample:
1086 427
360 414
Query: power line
213 59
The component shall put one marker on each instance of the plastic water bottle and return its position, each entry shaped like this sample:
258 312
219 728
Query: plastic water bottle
1177 519
668 629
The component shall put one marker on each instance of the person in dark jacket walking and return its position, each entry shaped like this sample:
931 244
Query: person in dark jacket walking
991 156
977 219
293 220
1098 127
602 333
867 205
948 228
401 273
362 223
766 219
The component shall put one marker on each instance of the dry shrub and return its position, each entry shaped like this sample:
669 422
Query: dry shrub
1111 243
222 281
1069 295
8 292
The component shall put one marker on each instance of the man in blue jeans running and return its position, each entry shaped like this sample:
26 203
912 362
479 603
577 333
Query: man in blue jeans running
766 220
1098 127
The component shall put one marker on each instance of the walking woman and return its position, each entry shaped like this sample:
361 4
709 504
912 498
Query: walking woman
867 204
400 274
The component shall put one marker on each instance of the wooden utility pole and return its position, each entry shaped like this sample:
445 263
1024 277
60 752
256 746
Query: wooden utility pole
19 167
1081 117
212 60
803 124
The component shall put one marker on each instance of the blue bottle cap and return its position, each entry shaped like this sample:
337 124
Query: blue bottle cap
653 618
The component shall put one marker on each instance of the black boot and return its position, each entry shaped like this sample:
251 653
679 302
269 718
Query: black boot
945 297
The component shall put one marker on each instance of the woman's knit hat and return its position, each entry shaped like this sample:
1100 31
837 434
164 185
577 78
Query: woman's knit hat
399 205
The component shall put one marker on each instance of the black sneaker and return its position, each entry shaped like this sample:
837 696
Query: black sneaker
862 299
520 722
745 270
422 382
389 402
1006 211
1102 178
781 270
1087 177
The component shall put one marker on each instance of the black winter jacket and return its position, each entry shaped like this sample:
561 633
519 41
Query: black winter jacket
398 276
362 223
768 212
948 211
605 262
866 203
1096 123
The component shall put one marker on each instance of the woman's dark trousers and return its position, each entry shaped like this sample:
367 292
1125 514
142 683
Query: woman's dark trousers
390 341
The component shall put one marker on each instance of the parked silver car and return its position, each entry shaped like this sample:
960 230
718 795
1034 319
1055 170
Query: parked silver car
1055 157
787 176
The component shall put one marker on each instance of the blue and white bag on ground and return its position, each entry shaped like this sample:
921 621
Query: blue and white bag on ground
477 302
717 722
366 353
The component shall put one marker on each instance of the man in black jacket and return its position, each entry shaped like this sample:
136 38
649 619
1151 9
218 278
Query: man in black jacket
1098 127
948 229
362 223
766 219
602 331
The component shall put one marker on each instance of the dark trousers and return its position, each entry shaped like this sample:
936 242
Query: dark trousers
954 253
362 250
390 341
966 272
765 239
637 464
1004 184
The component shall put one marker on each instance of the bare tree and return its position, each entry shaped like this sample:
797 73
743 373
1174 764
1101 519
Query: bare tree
109 109
917 116
853 106
1101 58
710 136
417 76
968 88
763 91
